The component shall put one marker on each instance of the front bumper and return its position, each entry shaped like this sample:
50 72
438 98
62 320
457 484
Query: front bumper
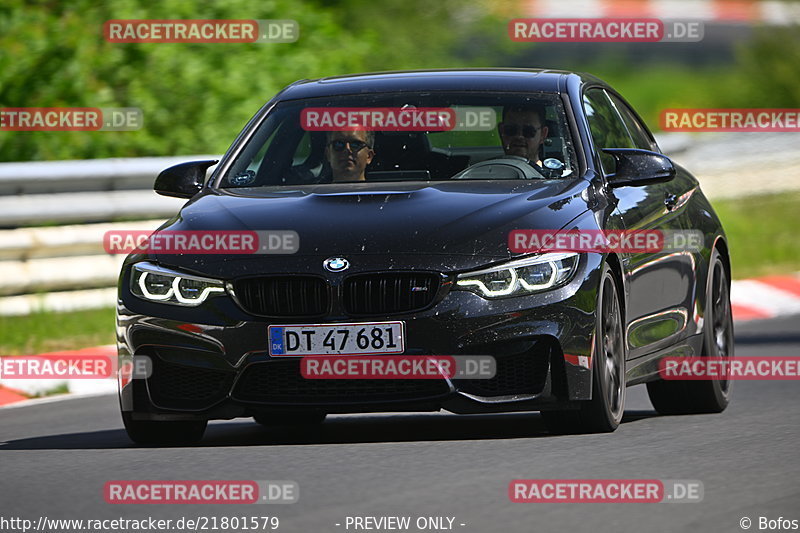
214 364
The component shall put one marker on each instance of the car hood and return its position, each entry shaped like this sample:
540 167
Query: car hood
466 222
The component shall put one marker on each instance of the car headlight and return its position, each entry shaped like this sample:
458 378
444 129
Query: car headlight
521 276
158 284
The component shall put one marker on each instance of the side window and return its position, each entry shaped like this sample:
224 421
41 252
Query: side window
262 161
639 133
244 171
608 130
303 150
255 163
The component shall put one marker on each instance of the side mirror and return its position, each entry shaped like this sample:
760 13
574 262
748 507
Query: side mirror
183 180
639 167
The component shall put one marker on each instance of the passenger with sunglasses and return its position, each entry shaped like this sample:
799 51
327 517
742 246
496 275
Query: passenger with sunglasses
349 153
523 132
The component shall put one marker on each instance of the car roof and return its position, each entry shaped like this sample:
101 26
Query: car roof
496 79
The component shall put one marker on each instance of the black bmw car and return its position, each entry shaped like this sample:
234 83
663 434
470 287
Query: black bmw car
400 192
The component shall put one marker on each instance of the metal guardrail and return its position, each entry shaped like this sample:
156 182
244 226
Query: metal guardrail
62 192
49 266
42 177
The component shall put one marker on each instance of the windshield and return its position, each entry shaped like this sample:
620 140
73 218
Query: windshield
426 136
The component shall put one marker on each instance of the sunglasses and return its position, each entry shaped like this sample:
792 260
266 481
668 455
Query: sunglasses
355 146
512 130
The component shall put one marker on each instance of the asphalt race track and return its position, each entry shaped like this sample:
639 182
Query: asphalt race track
56 457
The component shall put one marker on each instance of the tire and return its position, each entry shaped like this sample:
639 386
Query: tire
603 413
299 419
158 433
709 396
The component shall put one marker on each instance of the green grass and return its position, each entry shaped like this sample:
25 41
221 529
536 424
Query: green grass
59 389
48 331
762 233
651 90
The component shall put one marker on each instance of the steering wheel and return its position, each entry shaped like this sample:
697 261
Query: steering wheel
505 167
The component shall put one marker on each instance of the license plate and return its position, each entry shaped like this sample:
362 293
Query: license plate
336 339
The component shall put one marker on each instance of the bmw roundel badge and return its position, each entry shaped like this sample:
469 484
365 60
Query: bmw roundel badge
336 264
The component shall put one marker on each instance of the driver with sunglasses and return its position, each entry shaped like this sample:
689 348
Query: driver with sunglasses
523 131
349 153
